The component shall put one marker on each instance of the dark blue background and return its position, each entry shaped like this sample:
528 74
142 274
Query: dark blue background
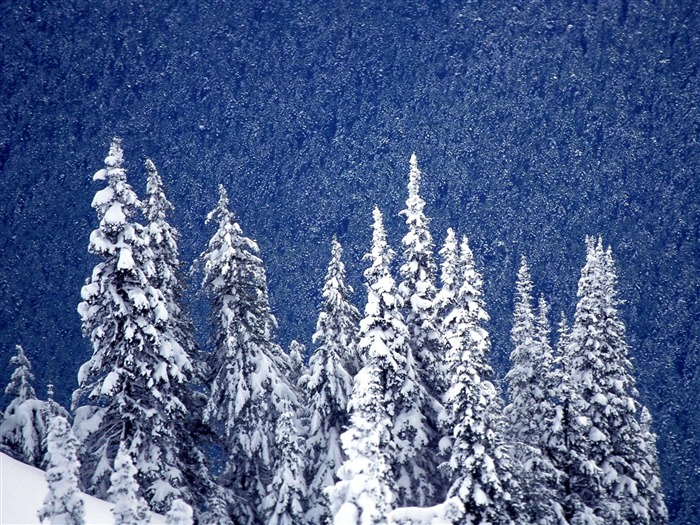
535 123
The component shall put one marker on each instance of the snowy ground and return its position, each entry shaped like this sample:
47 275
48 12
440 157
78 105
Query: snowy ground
22 491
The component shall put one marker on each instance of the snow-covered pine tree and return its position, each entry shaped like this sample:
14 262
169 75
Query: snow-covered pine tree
605 470
129 388
417 292
186 427
180 513
163 241
249 371
129 508
634 470
365 491
25 423
286 498
367 486
328 385
532 381
480 467
418 287
414 467
64 503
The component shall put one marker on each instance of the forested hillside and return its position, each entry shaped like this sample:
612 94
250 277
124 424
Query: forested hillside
536 124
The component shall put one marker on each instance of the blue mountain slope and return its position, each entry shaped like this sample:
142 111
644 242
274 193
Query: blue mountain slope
535 123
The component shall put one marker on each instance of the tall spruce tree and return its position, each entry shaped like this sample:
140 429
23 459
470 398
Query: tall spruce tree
133 377
328 384
249 371
64 503
532 381
418 286
414 466
163 240
185 427
367 488
418 293
605 471
480 467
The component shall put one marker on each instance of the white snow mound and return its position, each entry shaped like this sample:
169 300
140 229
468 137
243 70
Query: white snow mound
22 492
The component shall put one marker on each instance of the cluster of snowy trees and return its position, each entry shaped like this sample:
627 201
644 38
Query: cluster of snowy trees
395 419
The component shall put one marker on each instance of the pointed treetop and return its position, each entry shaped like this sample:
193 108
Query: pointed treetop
336 250
465 253
158 204
450 238
414 174
113 170
524 282
449 251
116 154
21 380
378 225
381 254
221 212
470 280
414 203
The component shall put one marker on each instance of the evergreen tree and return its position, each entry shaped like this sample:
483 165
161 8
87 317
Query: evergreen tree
134 375
25 423
129 508
328 385
180 513
249 371
64 503
606 470
186 427
480 468
418 292
286 498
418 286
163 241
532 381
367 486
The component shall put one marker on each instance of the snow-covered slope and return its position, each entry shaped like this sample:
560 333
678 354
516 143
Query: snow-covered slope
22 491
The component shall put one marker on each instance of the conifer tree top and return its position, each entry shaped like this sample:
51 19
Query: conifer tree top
450 260
221 212
414 199
158 204
381 255
20 384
